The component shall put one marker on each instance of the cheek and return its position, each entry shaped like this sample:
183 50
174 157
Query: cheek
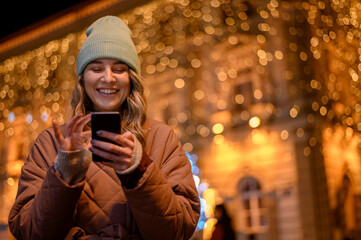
125 84
88 86
128 89
87 91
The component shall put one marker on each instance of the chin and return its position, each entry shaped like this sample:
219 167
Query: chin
107 109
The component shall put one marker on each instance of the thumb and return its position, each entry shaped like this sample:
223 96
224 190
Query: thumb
86 134
128 135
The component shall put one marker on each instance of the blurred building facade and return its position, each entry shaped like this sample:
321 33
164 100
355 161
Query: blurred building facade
264 96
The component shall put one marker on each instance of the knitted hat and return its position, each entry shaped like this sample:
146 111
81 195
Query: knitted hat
108 37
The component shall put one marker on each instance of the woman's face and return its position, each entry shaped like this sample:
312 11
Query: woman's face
107 84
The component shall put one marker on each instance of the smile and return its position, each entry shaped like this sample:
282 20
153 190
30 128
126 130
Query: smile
107 91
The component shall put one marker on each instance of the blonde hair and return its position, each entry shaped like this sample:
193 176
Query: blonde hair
133 110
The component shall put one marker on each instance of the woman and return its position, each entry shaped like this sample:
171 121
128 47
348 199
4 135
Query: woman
145 190
223 229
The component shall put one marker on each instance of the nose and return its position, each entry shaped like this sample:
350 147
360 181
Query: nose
108 75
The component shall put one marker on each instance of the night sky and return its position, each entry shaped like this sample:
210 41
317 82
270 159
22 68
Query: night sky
16 16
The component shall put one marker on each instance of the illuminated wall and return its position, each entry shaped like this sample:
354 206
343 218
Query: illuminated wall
262 89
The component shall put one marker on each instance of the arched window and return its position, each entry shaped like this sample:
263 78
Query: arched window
253 210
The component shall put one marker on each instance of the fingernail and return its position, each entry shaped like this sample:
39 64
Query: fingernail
100 132
92 141
91 149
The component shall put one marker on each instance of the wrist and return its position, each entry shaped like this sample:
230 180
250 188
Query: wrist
130 180
135 160
72 165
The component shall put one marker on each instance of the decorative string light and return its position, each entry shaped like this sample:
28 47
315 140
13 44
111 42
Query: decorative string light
218 56
40 81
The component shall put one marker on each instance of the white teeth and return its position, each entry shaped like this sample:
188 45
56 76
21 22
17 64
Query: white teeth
108 91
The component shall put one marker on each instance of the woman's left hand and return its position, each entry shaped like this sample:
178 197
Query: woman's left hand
119 154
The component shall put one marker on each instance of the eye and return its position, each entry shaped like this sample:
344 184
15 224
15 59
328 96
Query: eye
120 69
95 68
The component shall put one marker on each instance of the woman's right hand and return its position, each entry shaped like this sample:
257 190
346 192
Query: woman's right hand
75 138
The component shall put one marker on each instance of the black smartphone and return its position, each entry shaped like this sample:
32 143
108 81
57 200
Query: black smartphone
107 121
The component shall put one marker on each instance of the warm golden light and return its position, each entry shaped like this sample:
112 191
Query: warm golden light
254 122
258 94
199 94
218 128
218 139
258 137
208 228
211 73
294 112
188 147
239 98
10 181
13 168
210 196
300 132
279 55
284 134
179 83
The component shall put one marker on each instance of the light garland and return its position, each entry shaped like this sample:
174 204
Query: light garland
188 44
38 83
336 40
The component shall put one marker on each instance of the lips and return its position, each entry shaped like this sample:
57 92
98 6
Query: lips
107 91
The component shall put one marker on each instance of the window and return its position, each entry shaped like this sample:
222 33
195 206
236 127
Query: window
253 210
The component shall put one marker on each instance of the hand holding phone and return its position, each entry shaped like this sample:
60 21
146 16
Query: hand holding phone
106 121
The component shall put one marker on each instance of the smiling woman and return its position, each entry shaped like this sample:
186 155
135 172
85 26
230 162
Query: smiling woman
144 189
107 84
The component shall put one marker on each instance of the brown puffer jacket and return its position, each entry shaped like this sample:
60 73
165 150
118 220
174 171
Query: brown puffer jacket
163 205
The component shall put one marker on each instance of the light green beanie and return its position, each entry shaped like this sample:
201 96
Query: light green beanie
108 37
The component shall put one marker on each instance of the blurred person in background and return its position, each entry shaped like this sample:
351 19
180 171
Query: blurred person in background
223 229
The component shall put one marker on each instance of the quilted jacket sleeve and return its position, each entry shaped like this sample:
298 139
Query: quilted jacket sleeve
165 202
45 204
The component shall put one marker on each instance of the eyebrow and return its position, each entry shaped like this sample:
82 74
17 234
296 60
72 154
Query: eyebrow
100 62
